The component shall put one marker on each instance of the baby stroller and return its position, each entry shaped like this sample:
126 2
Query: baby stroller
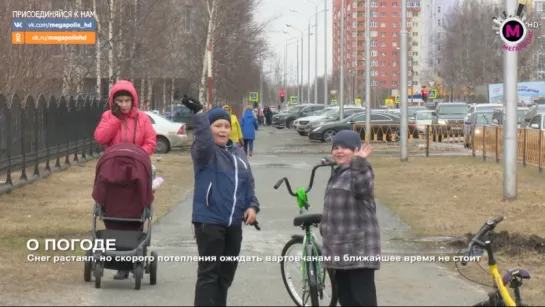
123 200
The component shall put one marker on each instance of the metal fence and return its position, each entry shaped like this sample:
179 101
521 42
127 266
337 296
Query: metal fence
482 141
40 136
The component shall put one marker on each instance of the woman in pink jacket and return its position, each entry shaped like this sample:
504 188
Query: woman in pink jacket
124 123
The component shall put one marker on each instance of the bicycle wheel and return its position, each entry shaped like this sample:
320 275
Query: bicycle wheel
300 294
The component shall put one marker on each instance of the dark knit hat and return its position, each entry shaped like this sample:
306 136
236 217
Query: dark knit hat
218 113
347 138
122 93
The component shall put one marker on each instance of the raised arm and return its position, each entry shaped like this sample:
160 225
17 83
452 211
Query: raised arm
364 177
203 145
107 128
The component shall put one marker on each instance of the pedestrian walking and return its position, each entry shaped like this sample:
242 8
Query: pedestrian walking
349 227
124 123
224 197
249 126
236 131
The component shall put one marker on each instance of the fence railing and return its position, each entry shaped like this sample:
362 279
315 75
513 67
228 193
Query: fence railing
480 140
45 132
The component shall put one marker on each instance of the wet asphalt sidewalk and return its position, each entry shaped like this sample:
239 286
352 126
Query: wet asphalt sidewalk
260 284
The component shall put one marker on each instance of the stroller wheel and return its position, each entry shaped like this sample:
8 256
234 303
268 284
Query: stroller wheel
153 269
138 274
98 274
87 266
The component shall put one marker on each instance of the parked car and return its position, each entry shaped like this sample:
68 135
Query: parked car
302 125
498 118
285 119
533 111
332 118
412 110
474 123
419 121
169 134
381 123
302 122
183 115
537 122
449 117
481 107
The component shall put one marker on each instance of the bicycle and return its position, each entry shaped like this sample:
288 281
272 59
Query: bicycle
313 276
500 296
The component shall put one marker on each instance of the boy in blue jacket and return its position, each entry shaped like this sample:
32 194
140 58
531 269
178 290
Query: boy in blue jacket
224 198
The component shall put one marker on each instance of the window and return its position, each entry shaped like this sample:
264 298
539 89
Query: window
536 120
382 14
380 118
415 33
383 44
383 25
394 14
374 4
374 14
373 43
374 24
394 24
394 53
374 53
439 22
382 53
394 63
394 34
438 9
394 4
151 120
394 74
383 4
382 34
394 83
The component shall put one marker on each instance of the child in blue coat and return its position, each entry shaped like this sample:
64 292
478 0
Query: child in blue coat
223 199
249 126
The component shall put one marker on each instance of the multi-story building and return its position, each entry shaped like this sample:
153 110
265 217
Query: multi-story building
435 13
385 26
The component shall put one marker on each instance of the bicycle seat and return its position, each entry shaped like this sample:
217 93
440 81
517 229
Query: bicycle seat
307 219
523 274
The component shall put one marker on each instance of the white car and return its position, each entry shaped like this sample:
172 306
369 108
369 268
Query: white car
302 124
481 107
169 134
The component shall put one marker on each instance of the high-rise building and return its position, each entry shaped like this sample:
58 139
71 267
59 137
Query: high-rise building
435 13
385 26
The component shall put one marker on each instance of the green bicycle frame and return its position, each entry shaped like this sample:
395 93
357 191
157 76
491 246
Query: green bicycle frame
302 203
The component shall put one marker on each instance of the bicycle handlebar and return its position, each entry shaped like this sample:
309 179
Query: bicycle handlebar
485 229
324 162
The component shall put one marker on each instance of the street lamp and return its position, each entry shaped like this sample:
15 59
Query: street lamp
315 52
300 85
293 39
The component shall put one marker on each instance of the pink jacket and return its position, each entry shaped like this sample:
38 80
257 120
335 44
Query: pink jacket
132 127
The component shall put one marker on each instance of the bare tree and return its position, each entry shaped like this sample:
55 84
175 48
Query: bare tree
471 55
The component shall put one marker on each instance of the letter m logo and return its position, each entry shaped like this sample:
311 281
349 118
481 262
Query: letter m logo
510 31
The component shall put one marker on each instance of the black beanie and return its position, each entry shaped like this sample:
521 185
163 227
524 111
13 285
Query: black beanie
218 113
122 93
347 138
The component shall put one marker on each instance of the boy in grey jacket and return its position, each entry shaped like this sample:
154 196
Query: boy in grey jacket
349 228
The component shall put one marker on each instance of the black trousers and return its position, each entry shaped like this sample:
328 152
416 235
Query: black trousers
215 278
356 287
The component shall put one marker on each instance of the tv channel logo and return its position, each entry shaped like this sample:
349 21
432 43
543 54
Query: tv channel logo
512 30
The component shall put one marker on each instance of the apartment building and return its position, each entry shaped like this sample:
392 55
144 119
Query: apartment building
434 13
385 26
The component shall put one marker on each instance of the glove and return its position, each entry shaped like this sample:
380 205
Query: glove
116 110
194 105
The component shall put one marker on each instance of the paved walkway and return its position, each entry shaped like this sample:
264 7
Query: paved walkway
260 284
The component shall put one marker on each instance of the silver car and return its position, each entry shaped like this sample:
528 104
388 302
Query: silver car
420 120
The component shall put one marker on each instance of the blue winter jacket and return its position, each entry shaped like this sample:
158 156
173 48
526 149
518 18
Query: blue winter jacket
224 184
248 124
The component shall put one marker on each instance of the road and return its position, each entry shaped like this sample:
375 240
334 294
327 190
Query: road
278 153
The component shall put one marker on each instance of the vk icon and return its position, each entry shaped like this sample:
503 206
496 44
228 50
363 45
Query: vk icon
18 24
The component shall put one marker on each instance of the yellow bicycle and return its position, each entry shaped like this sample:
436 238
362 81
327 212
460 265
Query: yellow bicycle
513 278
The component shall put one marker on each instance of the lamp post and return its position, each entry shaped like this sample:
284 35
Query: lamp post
292 39
301 84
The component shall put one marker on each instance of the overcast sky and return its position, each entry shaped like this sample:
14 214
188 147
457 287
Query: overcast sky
277 39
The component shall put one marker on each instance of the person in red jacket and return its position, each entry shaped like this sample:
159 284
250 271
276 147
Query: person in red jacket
124 123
